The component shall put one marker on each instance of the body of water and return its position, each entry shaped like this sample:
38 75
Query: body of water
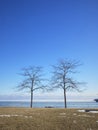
47 104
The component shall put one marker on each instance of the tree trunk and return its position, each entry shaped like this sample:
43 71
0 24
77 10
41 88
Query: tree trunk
32 95
31 104
65 104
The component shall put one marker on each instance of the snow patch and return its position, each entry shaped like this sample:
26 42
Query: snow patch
74 121
81 110
5 115
93 111
62 114
88 111
15 116
74 114
86 115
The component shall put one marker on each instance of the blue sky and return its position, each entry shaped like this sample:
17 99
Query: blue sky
39 32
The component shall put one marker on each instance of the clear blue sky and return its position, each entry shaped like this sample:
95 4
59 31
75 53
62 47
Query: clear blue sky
39 32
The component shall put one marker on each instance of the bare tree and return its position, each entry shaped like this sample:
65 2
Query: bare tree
62 76
32 81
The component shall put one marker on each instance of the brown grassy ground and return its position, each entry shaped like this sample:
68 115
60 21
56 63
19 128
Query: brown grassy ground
47 119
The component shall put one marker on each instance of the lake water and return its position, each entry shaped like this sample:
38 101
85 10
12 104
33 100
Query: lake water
52 104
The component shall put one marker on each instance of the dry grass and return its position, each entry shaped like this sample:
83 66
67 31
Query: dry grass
47 119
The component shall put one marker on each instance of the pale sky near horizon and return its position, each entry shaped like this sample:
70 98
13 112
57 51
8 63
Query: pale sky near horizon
39 32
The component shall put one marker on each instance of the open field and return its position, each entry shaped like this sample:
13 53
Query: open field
47 119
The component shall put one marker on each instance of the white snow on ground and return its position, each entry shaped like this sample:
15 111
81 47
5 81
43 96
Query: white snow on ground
62 114
74 114
86 115
15 116
81 110
90 111
93 111
74 121
5 115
